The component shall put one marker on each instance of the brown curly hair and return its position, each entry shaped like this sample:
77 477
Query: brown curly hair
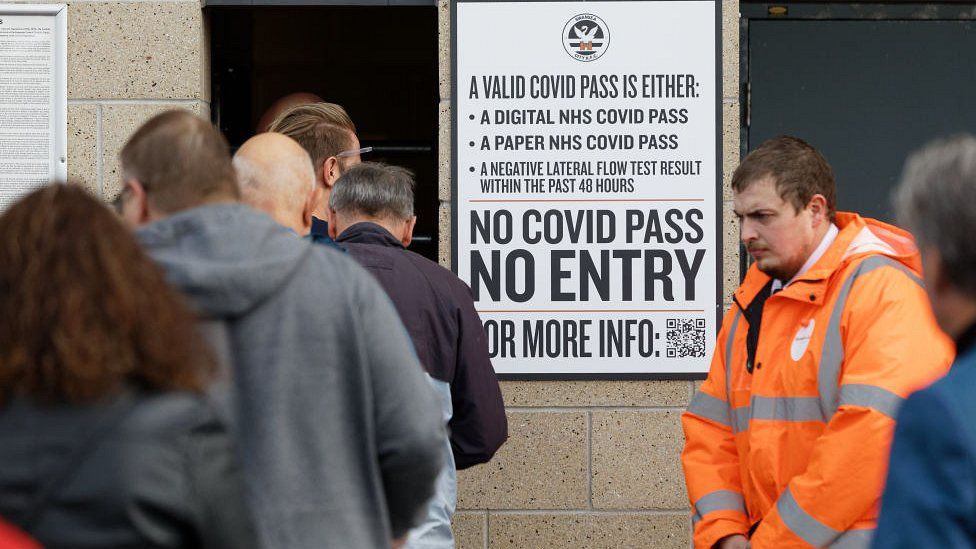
84 312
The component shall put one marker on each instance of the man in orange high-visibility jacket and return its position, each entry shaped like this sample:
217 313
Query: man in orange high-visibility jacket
788 438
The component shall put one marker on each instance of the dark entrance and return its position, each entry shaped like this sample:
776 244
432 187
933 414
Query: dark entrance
379 62
866 84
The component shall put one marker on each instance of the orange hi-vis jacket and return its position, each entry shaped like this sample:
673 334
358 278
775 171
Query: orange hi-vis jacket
798 448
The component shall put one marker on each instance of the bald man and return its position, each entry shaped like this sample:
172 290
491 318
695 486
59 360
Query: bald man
275 175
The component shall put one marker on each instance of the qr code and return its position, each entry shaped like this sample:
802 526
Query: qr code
685 337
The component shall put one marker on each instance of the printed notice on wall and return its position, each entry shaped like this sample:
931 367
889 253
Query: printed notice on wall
586 167
32 99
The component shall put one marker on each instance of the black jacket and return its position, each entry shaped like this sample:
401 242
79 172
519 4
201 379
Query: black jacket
161 474
438 311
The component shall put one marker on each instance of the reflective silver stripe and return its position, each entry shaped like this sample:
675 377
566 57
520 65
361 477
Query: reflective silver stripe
854 539
740 419
801 523
786 408
776 408
870 396
719 500
729 339
709 407
832 354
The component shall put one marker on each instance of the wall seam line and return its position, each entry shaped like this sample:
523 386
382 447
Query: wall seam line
99 152
593 512
568 409
487 525
589 458
133 101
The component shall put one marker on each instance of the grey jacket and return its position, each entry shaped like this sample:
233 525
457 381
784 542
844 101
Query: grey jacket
162 473
339 432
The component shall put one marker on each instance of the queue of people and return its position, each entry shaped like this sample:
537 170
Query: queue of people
219 378
246 354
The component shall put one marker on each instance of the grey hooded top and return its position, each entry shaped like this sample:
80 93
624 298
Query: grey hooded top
339 430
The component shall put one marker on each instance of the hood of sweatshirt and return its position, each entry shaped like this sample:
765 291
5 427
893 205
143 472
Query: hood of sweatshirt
226 258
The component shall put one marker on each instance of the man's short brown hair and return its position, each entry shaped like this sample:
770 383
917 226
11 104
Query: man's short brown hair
322 129
181 160
799 170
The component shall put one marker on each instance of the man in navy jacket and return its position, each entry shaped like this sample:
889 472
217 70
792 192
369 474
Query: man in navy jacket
930 498
371 216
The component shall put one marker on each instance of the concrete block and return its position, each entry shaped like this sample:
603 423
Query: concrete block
444 47
444 150
730 254
541 466
636 461
731 152
469 530
83 147
595 393
146 50
119 121
730 48
592 531
444 231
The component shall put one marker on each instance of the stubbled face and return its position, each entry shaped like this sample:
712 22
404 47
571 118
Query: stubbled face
778 238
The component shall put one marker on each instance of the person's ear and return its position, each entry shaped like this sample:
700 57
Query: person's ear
135 204
308 209
407 236
818 209
330 171
333 224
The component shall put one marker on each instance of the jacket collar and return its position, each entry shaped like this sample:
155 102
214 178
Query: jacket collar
366 232
857 238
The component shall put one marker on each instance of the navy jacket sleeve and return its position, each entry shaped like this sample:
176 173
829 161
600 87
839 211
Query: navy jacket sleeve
930 497
478 425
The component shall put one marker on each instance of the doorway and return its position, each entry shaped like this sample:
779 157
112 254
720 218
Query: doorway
379 62
865 84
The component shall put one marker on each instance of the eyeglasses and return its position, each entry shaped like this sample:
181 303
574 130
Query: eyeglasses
354 152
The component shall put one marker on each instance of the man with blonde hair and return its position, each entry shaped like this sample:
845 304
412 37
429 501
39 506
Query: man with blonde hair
327 133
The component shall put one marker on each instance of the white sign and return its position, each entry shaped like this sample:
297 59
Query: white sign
33 98
586 180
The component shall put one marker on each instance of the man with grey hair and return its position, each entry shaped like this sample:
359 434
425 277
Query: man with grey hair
371 215
930 498
275 175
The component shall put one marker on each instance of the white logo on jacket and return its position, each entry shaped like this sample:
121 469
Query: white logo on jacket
802 340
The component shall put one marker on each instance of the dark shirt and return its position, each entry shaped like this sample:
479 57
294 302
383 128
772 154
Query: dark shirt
438 311
320 232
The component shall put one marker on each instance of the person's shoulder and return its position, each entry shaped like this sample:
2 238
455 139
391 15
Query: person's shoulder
436 271
170 414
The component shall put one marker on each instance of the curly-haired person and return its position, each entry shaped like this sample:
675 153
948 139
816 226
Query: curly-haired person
106 439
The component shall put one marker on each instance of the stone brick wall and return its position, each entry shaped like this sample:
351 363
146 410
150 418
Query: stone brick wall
588 464
126 62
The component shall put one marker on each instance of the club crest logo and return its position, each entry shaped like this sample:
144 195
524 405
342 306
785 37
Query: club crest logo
586 37
802 340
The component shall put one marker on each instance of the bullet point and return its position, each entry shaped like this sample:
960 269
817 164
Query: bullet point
470 117
471 143
471 169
